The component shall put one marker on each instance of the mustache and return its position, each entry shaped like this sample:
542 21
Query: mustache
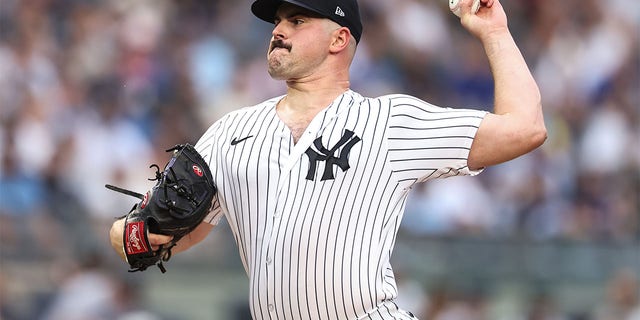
279 43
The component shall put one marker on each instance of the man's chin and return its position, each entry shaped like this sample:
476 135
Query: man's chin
276 74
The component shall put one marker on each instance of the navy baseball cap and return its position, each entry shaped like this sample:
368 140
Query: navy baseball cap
343 12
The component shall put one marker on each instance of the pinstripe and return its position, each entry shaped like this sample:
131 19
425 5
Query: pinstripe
272 120
316 242
365 208
306 229
376 154
410 116
427 138
316 264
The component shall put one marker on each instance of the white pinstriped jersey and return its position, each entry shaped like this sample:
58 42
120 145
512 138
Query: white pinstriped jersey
315 222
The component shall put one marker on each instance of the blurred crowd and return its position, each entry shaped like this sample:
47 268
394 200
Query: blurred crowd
93 91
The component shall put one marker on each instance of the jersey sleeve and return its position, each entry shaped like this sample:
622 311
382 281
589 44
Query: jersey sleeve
428 142
206 146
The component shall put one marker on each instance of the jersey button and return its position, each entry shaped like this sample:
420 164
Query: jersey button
271 308
269 260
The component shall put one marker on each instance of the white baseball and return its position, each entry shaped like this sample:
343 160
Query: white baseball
456 8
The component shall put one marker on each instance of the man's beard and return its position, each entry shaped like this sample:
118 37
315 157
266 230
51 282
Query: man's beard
276 67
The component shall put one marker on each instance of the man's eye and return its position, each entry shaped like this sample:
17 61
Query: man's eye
298 21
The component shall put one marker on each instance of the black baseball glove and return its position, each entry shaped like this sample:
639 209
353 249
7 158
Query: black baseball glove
178 203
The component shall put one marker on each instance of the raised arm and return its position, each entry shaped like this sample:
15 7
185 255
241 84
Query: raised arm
516 125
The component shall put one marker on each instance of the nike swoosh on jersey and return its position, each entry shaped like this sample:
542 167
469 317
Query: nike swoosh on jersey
236 140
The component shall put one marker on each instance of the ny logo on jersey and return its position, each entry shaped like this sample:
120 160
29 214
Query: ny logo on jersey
320 153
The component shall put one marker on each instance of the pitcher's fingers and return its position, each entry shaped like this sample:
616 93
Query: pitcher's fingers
156 240
486 3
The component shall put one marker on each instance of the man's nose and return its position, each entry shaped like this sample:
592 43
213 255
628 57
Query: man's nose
278 31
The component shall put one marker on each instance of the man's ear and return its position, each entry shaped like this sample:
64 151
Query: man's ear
341 38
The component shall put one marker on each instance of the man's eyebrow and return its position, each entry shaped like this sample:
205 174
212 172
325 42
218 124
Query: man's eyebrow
297 12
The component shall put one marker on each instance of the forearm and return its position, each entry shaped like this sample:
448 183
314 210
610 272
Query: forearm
186 242
192 238
516 91
115 236
516 125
